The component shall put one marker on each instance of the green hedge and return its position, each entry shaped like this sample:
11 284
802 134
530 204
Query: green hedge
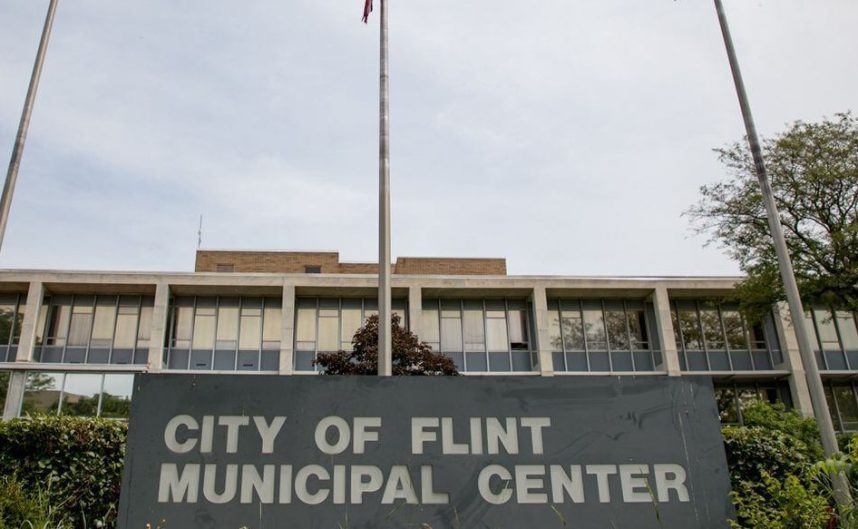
77 462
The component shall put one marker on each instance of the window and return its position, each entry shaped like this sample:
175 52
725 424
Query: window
835 338
11 318
225 268
78 394
103 329
326 325
843 405
4 387
732 399
223 333
480 335
313 269
713 336
601 335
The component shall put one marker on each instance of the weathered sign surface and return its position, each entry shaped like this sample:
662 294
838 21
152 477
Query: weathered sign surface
280 452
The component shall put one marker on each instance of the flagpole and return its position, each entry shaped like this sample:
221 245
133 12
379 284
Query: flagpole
808 360
24 125
385 359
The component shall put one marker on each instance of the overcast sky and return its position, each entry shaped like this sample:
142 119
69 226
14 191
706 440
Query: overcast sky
565 135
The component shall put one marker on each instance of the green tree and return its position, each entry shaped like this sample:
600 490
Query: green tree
813 169
410 356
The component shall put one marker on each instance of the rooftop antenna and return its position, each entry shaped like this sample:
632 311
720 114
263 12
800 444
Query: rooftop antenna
200 234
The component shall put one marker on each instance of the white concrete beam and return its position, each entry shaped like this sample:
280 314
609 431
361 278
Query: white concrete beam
29 328
14 395
792 360
158 334
287 332
666 336
543 332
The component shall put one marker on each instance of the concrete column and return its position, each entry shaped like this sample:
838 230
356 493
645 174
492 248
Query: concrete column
158 334
29 328
666 337
287 331
415 309
15 394
792 360
543 332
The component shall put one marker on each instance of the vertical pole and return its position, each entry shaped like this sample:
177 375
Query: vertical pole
24 125
384 338
814 381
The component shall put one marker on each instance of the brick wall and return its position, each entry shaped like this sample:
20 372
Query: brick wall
297 262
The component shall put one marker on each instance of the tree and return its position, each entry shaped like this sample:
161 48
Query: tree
410 356
813 169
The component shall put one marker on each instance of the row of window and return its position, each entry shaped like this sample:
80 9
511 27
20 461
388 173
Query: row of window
480 335
326 325
492 335
99 329
716 337
732 399
11 318
224 333
602 335
78 394
835 334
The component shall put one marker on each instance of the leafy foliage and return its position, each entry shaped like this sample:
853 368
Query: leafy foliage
411 357
21 509
780 504
813 169
776 418
81 459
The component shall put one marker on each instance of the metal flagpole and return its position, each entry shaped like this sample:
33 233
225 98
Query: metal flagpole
814 382
385 359
24 125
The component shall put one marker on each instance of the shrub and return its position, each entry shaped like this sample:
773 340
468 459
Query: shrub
753 451
776 417
77 463
776 504
20 509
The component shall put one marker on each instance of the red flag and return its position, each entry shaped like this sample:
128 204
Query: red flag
367 9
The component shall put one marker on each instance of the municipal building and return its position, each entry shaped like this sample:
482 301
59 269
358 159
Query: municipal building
71 341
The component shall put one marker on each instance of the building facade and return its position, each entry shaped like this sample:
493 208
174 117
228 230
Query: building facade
71 341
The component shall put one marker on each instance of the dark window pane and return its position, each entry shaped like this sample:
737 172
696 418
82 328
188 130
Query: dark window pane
690 328
621 360
762 361
42 393
81 395
477 362
712 328
499 362
521 361
458 359
125 356
201 360
179 359
643 361
558 361
697 361
248 360
741 360
617 331
98 356
576 360
848 407
304 361
836 360
224 361
599 361
270 361
637 327
734 329
829 397
116 396
718 361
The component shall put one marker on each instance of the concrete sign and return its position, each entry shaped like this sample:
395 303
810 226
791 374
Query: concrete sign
278 452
